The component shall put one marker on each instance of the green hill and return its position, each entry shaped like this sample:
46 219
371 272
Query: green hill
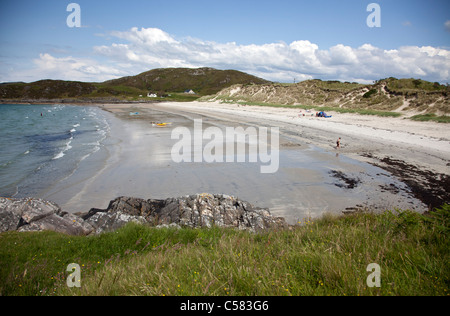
162 82
202 81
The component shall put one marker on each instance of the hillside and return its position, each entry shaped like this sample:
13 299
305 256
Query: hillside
162 82
399 95
203 81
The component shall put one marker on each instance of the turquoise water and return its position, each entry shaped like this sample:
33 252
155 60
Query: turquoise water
43 144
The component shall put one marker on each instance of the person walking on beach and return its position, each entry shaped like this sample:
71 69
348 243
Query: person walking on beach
338 143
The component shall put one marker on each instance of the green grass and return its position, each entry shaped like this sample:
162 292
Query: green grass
405 85
328 256
431 117
181 97
370 93
203 81
328 109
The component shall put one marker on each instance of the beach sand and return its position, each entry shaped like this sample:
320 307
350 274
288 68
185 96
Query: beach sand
383 163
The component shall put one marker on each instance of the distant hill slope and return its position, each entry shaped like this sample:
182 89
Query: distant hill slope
202 81
389 94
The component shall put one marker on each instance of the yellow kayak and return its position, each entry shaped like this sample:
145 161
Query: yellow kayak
161 124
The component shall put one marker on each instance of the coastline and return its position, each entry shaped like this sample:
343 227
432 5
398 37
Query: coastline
313 175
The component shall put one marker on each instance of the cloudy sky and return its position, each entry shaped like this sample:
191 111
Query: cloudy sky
278 40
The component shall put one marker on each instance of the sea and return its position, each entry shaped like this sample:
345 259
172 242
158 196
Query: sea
41 145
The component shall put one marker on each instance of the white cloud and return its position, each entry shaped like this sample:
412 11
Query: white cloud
68 68
154 48
144 49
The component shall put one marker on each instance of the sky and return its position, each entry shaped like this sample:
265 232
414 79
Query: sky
278 40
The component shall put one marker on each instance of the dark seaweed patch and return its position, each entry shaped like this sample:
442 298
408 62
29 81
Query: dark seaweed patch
345 181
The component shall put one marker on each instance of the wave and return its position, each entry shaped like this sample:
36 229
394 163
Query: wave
63 152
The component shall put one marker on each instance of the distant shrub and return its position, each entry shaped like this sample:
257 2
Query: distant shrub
416 83
370 93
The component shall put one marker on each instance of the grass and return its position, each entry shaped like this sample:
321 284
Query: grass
404 85
328 256
431 117
203 81
328 109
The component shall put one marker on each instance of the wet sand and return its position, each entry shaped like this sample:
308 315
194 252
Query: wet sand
314 177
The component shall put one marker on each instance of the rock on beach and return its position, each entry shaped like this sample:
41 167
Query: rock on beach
195 211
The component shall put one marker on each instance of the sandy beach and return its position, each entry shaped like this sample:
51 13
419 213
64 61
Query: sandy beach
383 163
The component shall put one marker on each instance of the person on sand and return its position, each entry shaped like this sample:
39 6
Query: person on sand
338 143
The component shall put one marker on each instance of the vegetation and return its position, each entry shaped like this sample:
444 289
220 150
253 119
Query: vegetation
202 81
173 81
328 256
370 93
431 117
386 95
328 108
409 85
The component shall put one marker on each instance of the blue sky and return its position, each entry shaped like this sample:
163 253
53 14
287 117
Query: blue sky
277 40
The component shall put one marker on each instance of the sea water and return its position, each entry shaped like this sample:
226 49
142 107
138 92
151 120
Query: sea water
41 145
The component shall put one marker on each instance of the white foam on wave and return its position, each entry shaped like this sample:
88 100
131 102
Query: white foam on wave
63 152
59 156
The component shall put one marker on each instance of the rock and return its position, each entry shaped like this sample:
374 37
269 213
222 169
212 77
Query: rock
196 211
201 210
58 224
9 220
111 221
39 215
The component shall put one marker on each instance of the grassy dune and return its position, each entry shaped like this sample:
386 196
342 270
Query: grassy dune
386 97
328 256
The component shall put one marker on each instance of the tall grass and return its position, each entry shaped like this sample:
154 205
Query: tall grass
328 256
431 117
328 109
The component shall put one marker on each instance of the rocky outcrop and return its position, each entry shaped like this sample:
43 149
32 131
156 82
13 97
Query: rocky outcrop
39 215
196 211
